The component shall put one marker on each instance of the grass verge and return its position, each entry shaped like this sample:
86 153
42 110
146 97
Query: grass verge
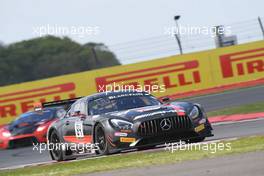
129 160
244 109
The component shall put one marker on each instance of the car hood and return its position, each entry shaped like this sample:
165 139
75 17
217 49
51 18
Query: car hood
150 112
24 127
20 130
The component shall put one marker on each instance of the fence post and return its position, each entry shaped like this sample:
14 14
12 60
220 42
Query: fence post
261 26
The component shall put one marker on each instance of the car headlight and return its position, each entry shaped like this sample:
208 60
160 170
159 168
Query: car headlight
40 128
6 134
122 124
194 113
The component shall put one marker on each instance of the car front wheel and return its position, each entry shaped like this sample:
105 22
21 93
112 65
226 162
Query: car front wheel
101 141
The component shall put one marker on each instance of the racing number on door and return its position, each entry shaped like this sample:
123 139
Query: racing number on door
79 129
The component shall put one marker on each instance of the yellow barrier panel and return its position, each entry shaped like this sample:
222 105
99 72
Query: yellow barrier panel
177 74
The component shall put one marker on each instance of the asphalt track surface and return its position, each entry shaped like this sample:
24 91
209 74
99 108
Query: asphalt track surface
26 155
230 98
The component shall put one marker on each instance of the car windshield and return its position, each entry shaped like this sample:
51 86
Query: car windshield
33 117
120 103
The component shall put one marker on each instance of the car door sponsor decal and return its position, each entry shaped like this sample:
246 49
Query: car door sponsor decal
78 129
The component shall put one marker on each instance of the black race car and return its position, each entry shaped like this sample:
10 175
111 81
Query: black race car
115 121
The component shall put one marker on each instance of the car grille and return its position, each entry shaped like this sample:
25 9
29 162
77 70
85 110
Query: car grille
22 142
153 127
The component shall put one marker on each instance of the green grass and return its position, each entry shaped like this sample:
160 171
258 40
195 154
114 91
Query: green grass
244 109
129 160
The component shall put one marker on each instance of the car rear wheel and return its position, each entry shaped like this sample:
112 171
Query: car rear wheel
100 140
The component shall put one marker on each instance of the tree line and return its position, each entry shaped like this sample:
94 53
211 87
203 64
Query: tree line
50 56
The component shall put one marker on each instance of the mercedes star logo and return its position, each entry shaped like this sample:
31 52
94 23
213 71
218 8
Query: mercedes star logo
165 124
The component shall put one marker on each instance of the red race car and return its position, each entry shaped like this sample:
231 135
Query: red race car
29 127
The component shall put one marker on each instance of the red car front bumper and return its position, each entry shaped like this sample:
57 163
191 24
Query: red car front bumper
39 135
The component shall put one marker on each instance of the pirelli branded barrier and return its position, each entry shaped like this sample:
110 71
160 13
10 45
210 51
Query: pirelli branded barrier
178 74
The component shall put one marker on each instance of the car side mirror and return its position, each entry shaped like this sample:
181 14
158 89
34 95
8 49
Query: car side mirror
76 113
61 113
79 114
165 99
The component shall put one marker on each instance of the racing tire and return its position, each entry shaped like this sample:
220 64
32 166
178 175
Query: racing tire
100 139
56 152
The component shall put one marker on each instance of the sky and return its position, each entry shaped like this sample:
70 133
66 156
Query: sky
117 21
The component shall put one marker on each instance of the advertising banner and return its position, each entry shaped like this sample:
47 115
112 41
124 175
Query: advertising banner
171 75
